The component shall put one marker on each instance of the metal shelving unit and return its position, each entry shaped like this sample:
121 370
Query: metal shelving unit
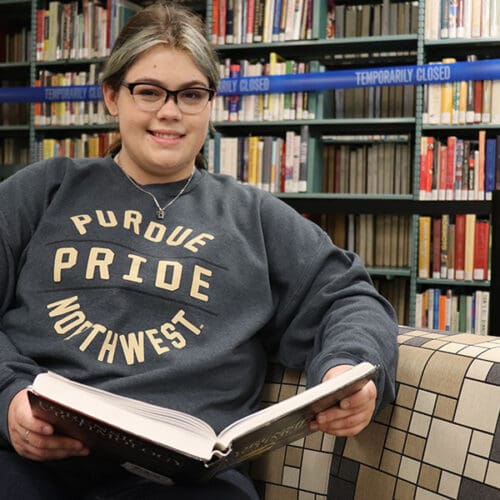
362 52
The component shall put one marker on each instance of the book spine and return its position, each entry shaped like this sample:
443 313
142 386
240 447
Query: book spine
470 227
490 168
436 248
451 250
459 247
303 160
424 246
450 165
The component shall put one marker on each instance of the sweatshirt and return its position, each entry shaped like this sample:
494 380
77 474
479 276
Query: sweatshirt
182 312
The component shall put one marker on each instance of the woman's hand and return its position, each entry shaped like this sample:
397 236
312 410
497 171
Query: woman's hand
34 438
353 413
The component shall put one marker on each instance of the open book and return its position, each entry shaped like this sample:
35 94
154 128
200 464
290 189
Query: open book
162 443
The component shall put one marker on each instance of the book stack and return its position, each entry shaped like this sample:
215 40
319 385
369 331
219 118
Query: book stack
70 112
376 19
449 310
463 102
80 29
459 169
256 21
368 165
454 247
461 19
268 106
275 164
84 146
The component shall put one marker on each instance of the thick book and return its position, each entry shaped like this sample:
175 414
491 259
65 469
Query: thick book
169 445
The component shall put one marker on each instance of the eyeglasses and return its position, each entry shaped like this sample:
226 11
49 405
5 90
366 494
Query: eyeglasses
151 97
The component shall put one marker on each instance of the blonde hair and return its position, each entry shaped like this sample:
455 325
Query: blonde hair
162 23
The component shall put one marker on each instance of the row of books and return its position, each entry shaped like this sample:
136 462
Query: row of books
84 146
454 247
70 112
254 21
14 113
458 103
80 29
461 19
370 102
13 151
241 21
380 240
395 290
459 169
377 19
15 46
275 164
270 106
379 168
452 311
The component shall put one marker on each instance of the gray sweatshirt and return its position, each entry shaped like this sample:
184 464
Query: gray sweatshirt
182 312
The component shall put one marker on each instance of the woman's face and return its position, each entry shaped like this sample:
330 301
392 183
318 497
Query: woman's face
159 146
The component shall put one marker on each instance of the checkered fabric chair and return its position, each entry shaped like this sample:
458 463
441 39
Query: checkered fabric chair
439 440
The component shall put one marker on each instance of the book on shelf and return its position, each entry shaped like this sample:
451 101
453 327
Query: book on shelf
424 246
451 310
450 268
460 247
167 443
481 250
436 248
470 230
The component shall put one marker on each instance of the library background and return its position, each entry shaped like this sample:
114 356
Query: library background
402 172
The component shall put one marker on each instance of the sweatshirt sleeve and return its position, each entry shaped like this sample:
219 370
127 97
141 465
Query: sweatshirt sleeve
328 312
22 198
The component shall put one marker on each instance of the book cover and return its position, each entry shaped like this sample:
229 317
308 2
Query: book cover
173 444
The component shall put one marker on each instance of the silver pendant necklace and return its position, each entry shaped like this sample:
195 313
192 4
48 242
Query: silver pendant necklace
160 212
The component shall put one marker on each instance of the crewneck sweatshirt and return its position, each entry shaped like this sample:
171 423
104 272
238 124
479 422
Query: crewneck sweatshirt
182 312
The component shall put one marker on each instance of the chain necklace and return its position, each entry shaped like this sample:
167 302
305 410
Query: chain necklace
160 212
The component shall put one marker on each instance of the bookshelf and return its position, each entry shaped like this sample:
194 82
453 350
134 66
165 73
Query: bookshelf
391 46
372 51
15 70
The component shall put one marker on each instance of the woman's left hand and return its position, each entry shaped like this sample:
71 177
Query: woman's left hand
353 413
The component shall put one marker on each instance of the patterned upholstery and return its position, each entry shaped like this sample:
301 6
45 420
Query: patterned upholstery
439 440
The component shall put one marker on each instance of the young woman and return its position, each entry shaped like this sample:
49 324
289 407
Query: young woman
143 274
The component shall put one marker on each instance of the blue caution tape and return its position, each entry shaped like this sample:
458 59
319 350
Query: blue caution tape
328 80
371 77
51 94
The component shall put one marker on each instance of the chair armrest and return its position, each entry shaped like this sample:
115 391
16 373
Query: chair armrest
441 437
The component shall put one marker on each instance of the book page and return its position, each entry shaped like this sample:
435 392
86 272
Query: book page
163 426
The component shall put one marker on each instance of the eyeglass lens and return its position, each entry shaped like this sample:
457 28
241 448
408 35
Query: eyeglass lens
151 98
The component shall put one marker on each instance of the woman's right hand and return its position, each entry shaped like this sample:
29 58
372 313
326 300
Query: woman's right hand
34 438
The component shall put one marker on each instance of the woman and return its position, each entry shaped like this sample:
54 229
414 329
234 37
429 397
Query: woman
142 274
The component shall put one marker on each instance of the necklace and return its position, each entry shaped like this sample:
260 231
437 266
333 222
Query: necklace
160 212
